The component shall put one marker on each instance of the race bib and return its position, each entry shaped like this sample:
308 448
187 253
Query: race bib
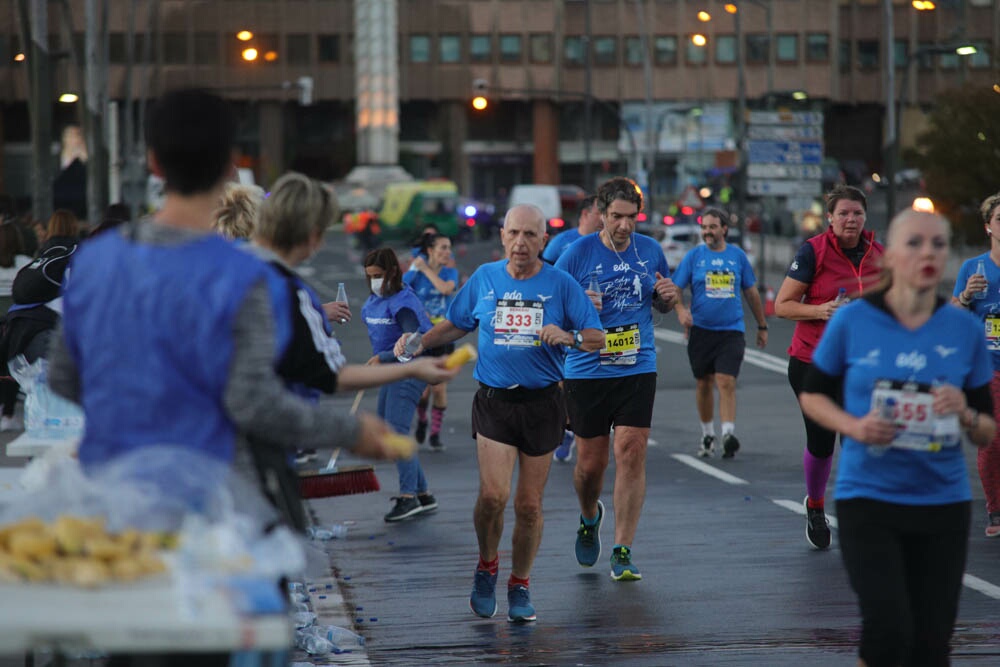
518 323
621 346
911 406
993 332
720 284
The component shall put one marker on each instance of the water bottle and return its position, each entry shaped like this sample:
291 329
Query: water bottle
981 271
841 296
411 347
595 284
335 531
946 426
303 619
887 410
313 644
341 297
341 638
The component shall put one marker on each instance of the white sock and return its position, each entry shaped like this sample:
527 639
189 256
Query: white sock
728 428
708 428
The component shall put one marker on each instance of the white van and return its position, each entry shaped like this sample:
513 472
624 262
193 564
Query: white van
557 202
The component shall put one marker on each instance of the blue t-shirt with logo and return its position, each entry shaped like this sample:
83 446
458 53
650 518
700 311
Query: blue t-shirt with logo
717 281
435 303
379 314
988 308
626 279
510 313
557 245
867 347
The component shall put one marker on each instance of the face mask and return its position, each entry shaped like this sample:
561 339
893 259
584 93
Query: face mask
377 286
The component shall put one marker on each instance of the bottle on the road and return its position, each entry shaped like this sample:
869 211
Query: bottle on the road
342 298
981 271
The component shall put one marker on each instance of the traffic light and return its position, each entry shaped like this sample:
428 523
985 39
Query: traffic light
479 99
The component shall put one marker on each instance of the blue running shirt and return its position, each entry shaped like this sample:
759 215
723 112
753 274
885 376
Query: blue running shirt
626 279
875 354
988 309
717 281
557 246
435 303
510 313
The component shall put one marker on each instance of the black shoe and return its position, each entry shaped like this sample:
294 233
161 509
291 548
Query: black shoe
421 432
404 508
436 442
730 445
428 503
707 447
817 527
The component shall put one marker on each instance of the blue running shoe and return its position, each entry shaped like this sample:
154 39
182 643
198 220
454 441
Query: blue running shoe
622 568
519 607
564 452
483 600
588 539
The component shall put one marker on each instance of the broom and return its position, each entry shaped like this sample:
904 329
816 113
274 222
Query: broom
339 481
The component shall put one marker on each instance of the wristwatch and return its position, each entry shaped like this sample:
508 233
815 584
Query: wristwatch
577 339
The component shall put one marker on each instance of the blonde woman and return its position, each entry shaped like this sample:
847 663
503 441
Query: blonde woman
237 214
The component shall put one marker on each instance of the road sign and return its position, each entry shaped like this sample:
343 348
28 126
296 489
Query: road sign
786 117
779 188
786 152
796 171
799 203
786 132
690 198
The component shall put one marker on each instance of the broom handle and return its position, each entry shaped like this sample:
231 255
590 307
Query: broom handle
357 401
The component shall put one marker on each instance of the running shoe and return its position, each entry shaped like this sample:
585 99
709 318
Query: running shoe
404 508
730 445
707 450
428 503
588 539
622 568
435 443
519 607
421 431
483 600
817 527
993 528
564 452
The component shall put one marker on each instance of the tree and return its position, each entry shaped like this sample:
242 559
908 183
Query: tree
959 155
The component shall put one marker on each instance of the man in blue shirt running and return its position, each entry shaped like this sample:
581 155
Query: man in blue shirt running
590 222
717 274
528 314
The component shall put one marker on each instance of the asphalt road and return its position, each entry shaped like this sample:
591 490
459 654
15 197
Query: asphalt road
728 578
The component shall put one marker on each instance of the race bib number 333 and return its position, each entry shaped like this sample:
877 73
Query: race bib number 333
518 323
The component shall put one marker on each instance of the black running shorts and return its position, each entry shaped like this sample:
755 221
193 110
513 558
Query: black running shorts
594 406
711 351
530 419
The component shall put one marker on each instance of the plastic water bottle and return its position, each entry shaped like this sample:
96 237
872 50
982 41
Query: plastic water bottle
335 531
303 619
342 298
841 296
595 284
411 347
342 638
948 424
887 410
981 271
313 644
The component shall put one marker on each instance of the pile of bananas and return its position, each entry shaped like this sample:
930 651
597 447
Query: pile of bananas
78 551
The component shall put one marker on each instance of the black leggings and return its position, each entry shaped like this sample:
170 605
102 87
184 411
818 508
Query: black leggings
819 441
905 563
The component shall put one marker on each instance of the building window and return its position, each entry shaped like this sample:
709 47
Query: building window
694 54
450 48
510 48
206 48
900 53
867 54
420 49
948 61
297 49
328 48
725 49
573 50
817 47
665 50
787 48
541 48
844 55
269 44
925 60
480 48
758 49
980 59
605 51
633 51
174 48
116 48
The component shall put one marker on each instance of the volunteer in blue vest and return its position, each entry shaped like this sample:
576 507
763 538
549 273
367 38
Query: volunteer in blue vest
718 274
435 283
838 264
528 314
915 375
615 386
980 293
171 334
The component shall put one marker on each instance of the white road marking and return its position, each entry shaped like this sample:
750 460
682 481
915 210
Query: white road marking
799 508
984 587
709 470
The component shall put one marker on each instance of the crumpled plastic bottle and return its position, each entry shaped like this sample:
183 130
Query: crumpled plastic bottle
342 638
312 643
324 533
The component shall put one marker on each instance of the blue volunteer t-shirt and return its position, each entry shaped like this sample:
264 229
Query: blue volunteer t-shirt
379 314
873 353
626 279
987 309
717 281
557 245
435 303
510 313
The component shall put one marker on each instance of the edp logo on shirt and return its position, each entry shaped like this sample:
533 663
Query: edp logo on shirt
915 361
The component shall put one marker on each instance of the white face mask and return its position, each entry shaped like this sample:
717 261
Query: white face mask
377 286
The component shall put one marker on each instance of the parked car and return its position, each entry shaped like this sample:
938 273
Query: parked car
677 240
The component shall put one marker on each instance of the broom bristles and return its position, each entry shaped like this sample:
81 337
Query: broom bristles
342 482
